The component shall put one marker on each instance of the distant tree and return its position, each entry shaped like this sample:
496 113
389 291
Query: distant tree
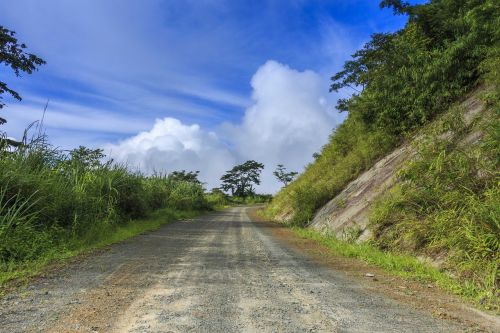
229 182
13 55
240 180
87 158
187 176
283 176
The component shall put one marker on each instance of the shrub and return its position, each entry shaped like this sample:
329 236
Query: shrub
49 199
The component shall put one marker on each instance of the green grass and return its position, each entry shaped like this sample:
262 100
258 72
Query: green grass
403 81
447 201
16 272
405 266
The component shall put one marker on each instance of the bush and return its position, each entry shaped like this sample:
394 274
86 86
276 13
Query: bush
49 199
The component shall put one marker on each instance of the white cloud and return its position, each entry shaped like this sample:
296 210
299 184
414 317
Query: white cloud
171 145
288 121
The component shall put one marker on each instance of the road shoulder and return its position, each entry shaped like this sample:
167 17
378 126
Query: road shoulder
421 296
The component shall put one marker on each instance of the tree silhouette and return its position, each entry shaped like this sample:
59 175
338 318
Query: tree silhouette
13 55
240 180
283 176
186 176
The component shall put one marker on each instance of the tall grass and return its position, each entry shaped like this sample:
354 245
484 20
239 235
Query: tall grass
447 204
52 200
352 149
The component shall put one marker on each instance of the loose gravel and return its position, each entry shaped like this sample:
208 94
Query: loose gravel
216 273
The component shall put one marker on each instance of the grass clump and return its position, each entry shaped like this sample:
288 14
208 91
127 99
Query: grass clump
53 204
448 203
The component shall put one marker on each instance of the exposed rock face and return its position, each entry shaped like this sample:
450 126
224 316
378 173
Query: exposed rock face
346 215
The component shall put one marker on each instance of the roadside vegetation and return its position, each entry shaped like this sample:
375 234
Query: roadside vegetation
406 266
447 203
54 203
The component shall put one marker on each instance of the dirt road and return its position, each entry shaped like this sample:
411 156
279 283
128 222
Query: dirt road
217 273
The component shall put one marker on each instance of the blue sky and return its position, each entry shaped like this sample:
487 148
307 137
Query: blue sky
194 84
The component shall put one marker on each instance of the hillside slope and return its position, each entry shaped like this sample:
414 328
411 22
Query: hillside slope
414 168
347 214
435 197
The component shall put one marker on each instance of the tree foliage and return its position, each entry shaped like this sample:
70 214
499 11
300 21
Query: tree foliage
13 54
283 176
403 79
186 176
87 158
400 82
240 180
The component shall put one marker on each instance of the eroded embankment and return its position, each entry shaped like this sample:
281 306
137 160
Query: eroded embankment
347 214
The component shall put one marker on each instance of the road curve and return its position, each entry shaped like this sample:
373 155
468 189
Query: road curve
216 273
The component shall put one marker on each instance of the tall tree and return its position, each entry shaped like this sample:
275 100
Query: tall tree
240 180
283 176
13 55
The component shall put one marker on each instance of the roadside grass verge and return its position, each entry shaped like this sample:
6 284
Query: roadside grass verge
405 266
16 273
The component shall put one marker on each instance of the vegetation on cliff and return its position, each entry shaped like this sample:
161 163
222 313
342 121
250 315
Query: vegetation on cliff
447 201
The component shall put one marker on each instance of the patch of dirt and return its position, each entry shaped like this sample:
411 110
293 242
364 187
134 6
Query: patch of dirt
108 300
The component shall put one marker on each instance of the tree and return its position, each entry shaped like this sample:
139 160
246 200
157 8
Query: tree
240 180
404 79
186 176
13 54
399 7
283 176
86 158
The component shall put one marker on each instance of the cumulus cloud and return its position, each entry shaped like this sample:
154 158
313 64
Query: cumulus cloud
288 121
171 145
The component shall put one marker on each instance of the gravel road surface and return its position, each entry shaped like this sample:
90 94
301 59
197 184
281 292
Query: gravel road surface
216 273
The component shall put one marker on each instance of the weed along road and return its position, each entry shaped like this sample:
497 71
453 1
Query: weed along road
217 273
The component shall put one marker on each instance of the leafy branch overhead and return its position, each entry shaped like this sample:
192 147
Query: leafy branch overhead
13 55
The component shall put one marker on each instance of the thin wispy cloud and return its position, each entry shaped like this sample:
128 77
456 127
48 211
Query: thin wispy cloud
288 120
118 68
